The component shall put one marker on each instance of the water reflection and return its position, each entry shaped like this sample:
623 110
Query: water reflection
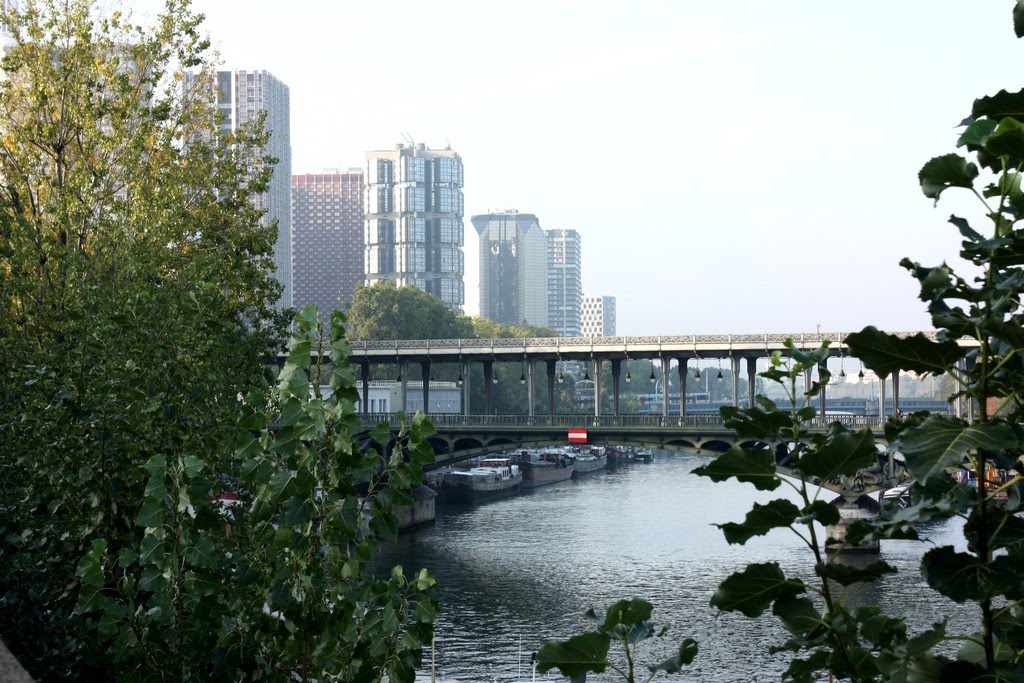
517 572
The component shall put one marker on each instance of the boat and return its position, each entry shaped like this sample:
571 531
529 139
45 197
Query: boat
896 497
591 460
540 469
492 478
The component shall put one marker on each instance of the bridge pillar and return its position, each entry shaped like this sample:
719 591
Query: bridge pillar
530 367
616 369
681 368
466 393
881 399
851 511
425 365
822 414
597 386
364 370
551 387
666 365
734 363
488 384
751 380
403 381
896 392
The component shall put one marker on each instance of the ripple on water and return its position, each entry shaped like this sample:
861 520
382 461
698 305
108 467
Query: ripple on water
517 572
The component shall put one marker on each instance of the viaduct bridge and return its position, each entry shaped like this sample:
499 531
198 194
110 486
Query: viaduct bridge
540 356
465 435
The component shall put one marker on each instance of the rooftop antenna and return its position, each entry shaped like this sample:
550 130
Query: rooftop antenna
408 138
447 144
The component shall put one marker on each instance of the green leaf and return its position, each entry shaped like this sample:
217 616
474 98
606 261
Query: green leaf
798 615
687 651
942 441
1007 140
577 656
822 512
760 520
754 422
889 353
627 613
943 172
847 575
842 454
1018 18
1000 105
754 589
962 576
977 133
750 466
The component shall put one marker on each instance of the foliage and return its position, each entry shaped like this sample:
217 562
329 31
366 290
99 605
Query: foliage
136 306
384 311
259 571
627 622
980 346
136 300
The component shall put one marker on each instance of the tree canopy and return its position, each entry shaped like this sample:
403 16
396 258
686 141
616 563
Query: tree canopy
384 311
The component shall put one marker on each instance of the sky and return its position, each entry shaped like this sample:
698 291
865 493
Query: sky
731 167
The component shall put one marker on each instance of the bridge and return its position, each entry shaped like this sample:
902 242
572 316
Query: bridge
673 353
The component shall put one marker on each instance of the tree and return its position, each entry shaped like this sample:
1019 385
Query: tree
384 311
980 346
136 298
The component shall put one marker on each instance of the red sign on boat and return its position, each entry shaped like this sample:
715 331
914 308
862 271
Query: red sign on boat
577 436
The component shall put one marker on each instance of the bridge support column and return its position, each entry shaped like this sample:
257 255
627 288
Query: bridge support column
425 365
488 385
465 369
616 369
751 380
666 365
597 386
881 399
551 387
734 364
683 372
896 392
364 371
822 403
851 511
530 368
403 381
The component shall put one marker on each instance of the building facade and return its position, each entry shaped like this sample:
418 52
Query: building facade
565 282
413 226
327 239
513 268
241 97
598 316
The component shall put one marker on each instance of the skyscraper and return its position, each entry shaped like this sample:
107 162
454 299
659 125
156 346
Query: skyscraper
327 239
513 268
242 96
414 232
565 282
598 317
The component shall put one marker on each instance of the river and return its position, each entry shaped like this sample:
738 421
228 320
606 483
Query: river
518 572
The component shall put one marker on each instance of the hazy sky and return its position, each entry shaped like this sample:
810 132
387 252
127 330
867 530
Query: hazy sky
746 166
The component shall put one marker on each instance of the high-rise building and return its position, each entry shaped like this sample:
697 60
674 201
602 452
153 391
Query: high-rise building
598 316
242 96
327 239
413 225
513 268
565 282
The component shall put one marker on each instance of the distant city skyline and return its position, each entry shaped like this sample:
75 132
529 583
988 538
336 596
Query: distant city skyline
753 165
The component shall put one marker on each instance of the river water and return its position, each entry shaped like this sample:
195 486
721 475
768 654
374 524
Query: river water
518 572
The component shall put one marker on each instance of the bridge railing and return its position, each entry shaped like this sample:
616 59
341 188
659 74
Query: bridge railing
704 422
